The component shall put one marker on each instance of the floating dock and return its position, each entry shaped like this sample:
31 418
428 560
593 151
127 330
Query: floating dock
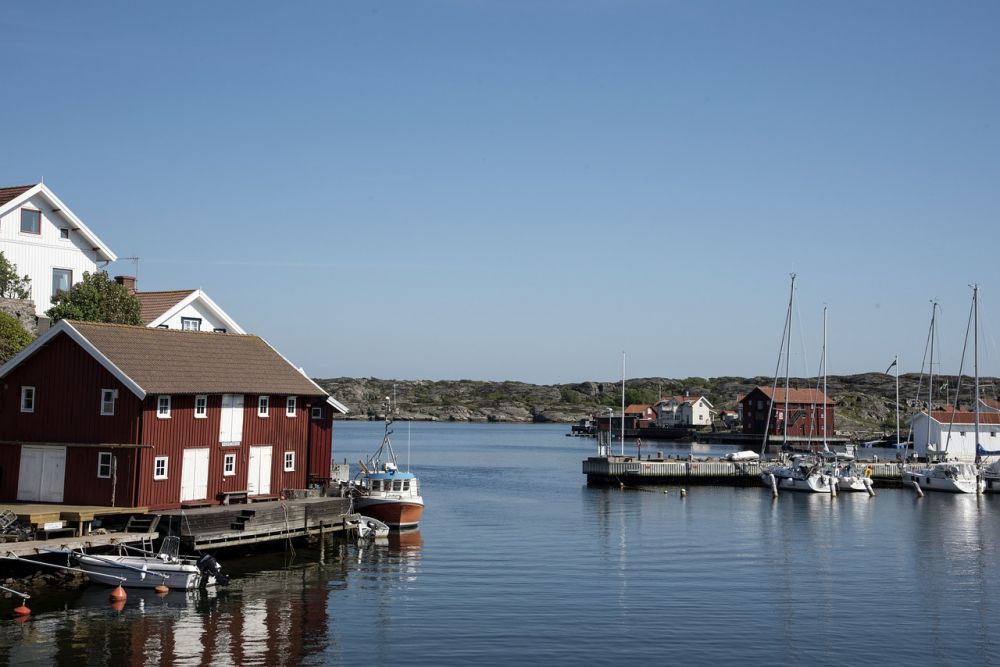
601 470
236 525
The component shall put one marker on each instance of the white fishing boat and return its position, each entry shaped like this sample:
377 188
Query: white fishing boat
141 568
383 491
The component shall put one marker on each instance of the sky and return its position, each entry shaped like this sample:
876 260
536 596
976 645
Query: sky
524 190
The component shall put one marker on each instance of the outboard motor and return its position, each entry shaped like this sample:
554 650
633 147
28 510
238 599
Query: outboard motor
211 568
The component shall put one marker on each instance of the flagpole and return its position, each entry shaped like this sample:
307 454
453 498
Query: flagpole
895 362
623 402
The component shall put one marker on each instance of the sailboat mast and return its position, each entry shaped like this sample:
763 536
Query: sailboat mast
826 410
895 362
623 403
930 375
788 347
975 357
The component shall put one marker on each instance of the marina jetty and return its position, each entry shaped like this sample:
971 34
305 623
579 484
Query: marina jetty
634 471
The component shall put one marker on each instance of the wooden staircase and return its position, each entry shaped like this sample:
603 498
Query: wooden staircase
142 523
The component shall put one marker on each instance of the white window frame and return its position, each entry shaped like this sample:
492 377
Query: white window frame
108 398
164 460
229 465
64 233
104 461
190 324
317 412
27 399
289 462
263 406
201 401
290 404
163 401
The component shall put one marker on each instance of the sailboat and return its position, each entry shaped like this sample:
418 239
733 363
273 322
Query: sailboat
384 492
804 473
944 475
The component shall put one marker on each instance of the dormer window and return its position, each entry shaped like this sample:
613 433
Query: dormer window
31 221
191 323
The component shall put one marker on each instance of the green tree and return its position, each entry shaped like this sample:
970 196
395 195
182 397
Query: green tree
12 286
13 337
96 298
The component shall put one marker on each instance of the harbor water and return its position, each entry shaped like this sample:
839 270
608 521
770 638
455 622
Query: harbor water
518 561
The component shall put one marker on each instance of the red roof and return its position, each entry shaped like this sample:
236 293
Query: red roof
796 395
637 408
12 192
964 417
991 403
155 304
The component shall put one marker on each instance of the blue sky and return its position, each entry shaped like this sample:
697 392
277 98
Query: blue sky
522 190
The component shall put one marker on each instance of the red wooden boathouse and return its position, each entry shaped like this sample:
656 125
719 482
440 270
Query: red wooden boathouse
114 415
809 412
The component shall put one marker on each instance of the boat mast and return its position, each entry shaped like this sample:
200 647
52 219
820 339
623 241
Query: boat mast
826 412
975 357
895 362
788 347
623 404
930 375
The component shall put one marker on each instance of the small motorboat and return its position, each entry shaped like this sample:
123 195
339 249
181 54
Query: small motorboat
141 568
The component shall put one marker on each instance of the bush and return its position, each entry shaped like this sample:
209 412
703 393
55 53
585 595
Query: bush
12 286
96 298
13 337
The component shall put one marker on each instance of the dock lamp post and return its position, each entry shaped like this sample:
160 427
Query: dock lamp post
611 435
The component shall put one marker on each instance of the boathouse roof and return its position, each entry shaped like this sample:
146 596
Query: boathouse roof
796 395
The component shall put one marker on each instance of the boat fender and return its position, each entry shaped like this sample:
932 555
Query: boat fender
868 471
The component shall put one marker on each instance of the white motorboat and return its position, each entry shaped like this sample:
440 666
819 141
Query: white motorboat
144 569
950 477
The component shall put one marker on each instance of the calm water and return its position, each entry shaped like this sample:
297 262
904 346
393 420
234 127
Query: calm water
518 562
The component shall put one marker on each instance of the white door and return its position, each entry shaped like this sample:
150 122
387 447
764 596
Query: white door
194 475
231 421
259 471
42 474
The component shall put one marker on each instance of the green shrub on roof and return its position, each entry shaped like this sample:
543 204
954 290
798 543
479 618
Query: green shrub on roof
96 298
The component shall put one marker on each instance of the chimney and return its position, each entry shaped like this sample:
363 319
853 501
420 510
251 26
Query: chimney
127 281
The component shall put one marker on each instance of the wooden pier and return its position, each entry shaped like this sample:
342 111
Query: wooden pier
236 525
632 471
37 547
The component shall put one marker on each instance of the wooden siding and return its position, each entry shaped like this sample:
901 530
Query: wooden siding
805 419
10 464
320 444
84 487
66 411
37 254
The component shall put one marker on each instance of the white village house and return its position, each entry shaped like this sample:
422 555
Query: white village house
683 411
190 310
953 433
47 242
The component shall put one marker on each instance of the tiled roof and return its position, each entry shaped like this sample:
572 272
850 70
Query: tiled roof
796 395
991 403
636 408
12 192
170 361
964 417
155 304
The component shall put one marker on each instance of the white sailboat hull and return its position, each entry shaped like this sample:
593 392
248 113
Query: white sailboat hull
944 477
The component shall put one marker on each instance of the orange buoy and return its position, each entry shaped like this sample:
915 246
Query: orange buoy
162 589
22 611
118 594
118 606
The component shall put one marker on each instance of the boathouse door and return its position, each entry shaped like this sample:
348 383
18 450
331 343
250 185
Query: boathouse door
42 475
259 471
231 420
194 475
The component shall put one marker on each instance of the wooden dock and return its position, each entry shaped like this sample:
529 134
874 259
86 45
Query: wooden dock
236 525
87 542
632 471
37 515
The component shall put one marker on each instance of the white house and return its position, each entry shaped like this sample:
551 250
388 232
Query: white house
47 242
683 411
191 310
953 433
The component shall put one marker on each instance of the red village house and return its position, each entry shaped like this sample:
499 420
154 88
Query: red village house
809 413
113 415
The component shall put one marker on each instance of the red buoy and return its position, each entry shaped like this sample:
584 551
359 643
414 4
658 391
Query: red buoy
118 595
21 611
118 606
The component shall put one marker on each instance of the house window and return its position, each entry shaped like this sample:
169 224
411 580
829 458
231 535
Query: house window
64 233
160 467
191 323
31 221
201 406
108 401
263 405
163 407
229 465
289 461
104 465
290 407
62 280
317 412
27 399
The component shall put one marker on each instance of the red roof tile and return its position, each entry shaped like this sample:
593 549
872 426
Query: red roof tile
797 395
155 304
965 417
12 192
